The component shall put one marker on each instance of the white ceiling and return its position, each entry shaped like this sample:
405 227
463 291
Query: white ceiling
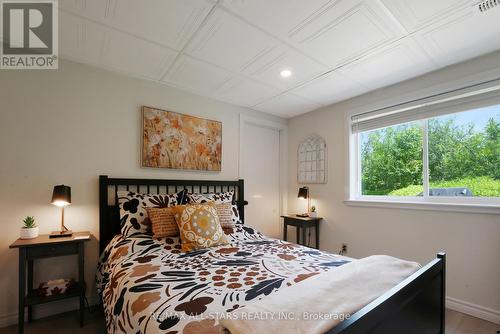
234 50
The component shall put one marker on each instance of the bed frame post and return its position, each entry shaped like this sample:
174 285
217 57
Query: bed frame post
241 199
442 256
103 203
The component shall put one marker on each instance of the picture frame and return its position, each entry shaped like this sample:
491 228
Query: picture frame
312 160
178 141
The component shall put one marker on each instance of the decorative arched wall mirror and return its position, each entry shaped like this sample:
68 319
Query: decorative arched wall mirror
312 160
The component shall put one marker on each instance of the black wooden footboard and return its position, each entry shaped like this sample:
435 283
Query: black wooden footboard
415 306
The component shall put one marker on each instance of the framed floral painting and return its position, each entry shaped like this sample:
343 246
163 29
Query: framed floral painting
178 141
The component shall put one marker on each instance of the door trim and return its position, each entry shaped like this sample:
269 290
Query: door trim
283 155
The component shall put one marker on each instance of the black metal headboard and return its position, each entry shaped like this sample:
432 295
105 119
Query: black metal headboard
109 213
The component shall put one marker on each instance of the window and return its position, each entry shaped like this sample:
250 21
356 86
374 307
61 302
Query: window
428 153
464 153
391 159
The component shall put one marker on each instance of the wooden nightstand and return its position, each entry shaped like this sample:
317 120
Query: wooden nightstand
301 223
42 247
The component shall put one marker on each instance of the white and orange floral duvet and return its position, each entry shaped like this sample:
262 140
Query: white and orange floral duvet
150 286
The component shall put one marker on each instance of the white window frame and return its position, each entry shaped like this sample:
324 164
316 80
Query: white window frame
488 205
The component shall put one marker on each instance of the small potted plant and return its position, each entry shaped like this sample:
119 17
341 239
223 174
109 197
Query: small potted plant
313 213
30 228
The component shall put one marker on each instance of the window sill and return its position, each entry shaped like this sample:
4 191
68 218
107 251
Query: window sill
429 206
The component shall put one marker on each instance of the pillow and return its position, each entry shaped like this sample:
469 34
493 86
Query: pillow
199 226
228 215
162 222
133 215
235 214
218 198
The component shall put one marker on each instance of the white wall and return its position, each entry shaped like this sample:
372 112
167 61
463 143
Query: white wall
68 126
472 241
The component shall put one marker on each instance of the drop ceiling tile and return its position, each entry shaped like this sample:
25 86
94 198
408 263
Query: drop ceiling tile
136 56
415 15
462 36
92 43
197 76
356 32
394 63
303 68
330 88
167 22
332 32
231 43
287 105
80 40
279 17
245 92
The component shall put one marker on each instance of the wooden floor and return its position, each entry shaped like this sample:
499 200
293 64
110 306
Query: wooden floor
456 323
459 323
66 323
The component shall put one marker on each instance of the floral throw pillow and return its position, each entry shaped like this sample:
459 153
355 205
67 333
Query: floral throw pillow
199 226
218 198
133 215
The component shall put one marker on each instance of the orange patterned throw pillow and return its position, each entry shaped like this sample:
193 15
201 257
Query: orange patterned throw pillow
199 226
162 222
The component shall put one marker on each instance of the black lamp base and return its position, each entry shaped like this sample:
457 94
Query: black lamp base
60 234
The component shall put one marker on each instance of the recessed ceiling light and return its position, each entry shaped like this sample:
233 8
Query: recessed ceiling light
286 73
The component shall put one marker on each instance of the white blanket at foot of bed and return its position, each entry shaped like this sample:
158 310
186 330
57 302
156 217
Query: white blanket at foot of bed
319 303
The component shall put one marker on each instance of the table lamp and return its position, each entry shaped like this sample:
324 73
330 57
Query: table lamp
61 196
304 193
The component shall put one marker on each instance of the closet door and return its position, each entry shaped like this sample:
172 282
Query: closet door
260 167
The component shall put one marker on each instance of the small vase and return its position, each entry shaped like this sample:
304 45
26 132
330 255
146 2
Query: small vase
29 233
313 214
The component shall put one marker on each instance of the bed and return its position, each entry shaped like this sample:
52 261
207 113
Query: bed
150 286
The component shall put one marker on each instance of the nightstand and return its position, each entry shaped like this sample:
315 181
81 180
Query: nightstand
43 247
301 223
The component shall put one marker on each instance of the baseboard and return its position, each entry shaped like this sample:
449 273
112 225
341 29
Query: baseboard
473 310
